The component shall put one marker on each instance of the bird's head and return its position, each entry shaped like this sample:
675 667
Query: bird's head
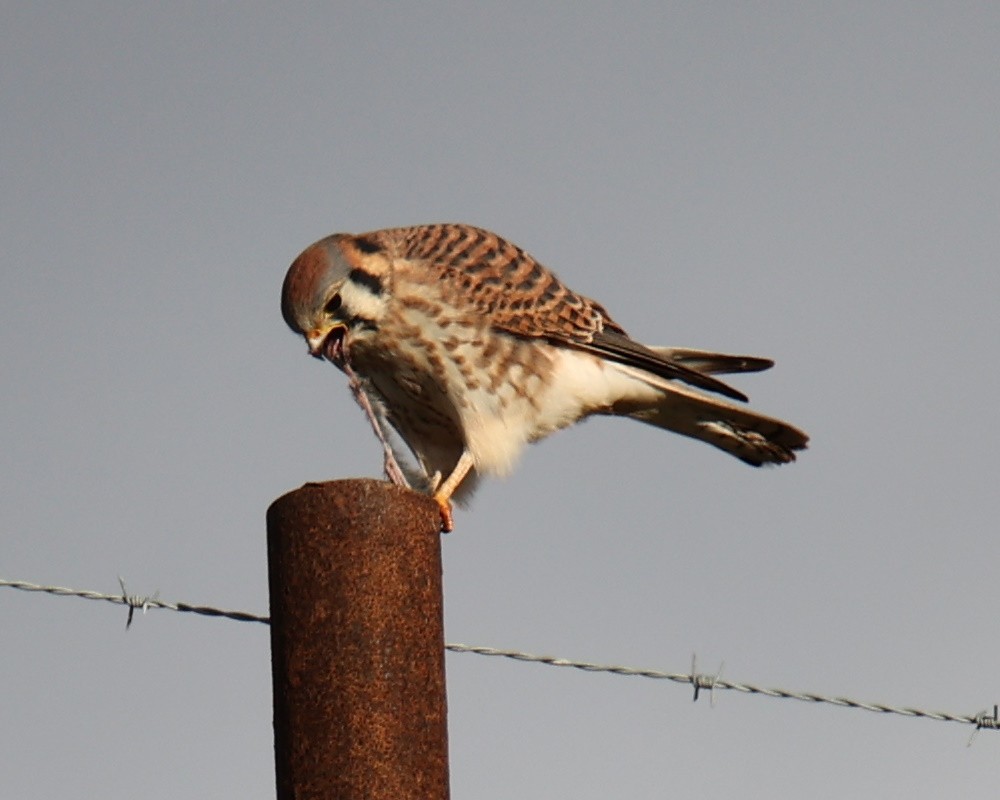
335 292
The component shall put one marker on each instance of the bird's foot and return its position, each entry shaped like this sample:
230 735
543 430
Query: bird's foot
444 506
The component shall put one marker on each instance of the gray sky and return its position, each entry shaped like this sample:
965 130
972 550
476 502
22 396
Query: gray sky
817 183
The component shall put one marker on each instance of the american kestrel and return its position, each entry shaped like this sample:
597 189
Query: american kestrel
471 349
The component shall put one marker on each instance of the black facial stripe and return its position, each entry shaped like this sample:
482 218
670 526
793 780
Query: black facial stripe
332 304
362 323
371 282
366 245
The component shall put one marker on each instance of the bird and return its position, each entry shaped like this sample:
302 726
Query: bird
471 349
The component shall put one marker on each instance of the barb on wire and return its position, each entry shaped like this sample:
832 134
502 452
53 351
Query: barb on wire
985 720
134 602
704 681
981 721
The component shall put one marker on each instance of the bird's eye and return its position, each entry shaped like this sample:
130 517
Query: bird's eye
332 304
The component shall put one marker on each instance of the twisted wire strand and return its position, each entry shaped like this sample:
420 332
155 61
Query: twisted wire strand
983 720
980 720
134 601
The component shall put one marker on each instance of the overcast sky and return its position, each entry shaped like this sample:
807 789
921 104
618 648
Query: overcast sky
816 183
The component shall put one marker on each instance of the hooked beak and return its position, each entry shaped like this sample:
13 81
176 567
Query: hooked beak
327 342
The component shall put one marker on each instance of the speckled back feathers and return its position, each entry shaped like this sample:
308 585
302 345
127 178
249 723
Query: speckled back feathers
498 279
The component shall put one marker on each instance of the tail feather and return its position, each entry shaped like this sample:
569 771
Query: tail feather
753 438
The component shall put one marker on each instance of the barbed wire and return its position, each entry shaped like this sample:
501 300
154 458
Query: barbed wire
135 601
982 720
712 682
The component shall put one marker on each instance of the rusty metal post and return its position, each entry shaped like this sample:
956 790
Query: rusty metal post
357 643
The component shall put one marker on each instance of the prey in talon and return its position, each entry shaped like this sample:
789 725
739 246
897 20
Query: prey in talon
332 347
471 349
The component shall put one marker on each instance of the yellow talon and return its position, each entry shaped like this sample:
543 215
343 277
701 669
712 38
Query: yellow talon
447 523
444 492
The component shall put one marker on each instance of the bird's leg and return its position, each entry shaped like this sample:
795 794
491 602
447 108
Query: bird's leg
447 489
392 469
